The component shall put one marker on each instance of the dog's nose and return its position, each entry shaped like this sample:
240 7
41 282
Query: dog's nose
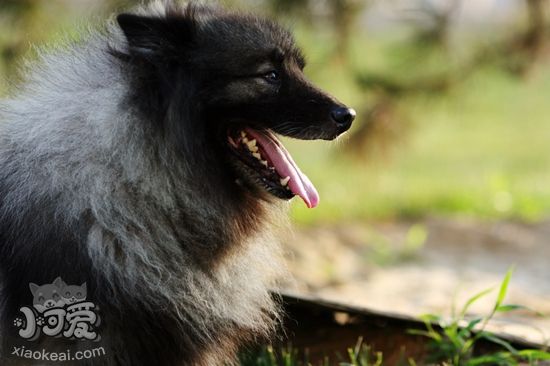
343 117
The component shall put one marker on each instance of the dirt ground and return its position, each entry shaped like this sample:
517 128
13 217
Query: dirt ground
417 268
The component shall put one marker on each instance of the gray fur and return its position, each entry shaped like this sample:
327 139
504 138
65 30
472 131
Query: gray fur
68 136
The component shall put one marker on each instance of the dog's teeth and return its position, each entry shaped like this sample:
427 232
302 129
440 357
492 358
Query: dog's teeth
257 156
244 137
284 181
263 162
252 146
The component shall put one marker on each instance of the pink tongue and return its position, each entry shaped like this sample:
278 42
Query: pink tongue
285 166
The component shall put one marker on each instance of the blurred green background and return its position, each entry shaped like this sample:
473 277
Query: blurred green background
453 99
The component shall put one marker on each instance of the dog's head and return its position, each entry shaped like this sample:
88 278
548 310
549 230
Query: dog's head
225 84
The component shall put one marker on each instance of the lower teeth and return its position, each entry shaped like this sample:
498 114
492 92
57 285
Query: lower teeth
252 147
284 181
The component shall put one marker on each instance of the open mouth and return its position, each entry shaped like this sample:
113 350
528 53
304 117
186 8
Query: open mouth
266 157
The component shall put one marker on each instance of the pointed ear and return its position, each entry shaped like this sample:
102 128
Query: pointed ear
59 282
153 36
33 287
83 286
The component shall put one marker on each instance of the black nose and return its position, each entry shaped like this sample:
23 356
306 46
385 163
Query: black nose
343 117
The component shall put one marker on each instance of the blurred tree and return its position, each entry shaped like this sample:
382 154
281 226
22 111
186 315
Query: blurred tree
521 51
381 120
535 37
433 23
299 8
344 15
380 127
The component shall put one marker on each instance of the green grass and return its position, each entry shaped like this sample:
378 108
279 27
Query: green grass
455 343
359 355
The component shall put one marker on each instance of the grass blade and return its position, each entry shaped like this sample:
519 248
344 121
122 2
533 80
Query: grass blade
534 354
504 287
473 299
490 337
509 307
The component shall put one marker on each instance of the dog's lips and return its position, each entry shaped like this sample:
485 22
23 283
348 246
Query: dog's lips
285 166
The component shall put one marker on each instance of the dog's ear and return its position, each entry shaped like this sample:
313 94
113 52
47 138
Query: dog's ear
59 282
33 287
153 37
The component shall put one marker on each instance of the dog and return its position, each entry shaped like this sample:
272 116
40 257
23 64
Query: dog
143 164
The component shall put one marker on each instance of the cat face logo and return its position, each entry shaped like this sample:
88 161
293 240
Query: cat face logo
47 296
73 294
59 309
56 294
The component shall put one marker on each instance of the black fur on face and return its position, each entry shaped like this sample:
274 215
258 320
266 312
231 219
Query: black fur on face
202 73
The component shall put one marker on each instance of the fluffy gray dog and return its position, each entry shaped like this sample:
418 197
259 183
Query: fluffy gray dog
141 166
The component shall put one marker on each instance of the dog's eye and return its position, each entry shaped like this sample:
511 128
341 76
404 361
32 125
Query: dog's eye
272 76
